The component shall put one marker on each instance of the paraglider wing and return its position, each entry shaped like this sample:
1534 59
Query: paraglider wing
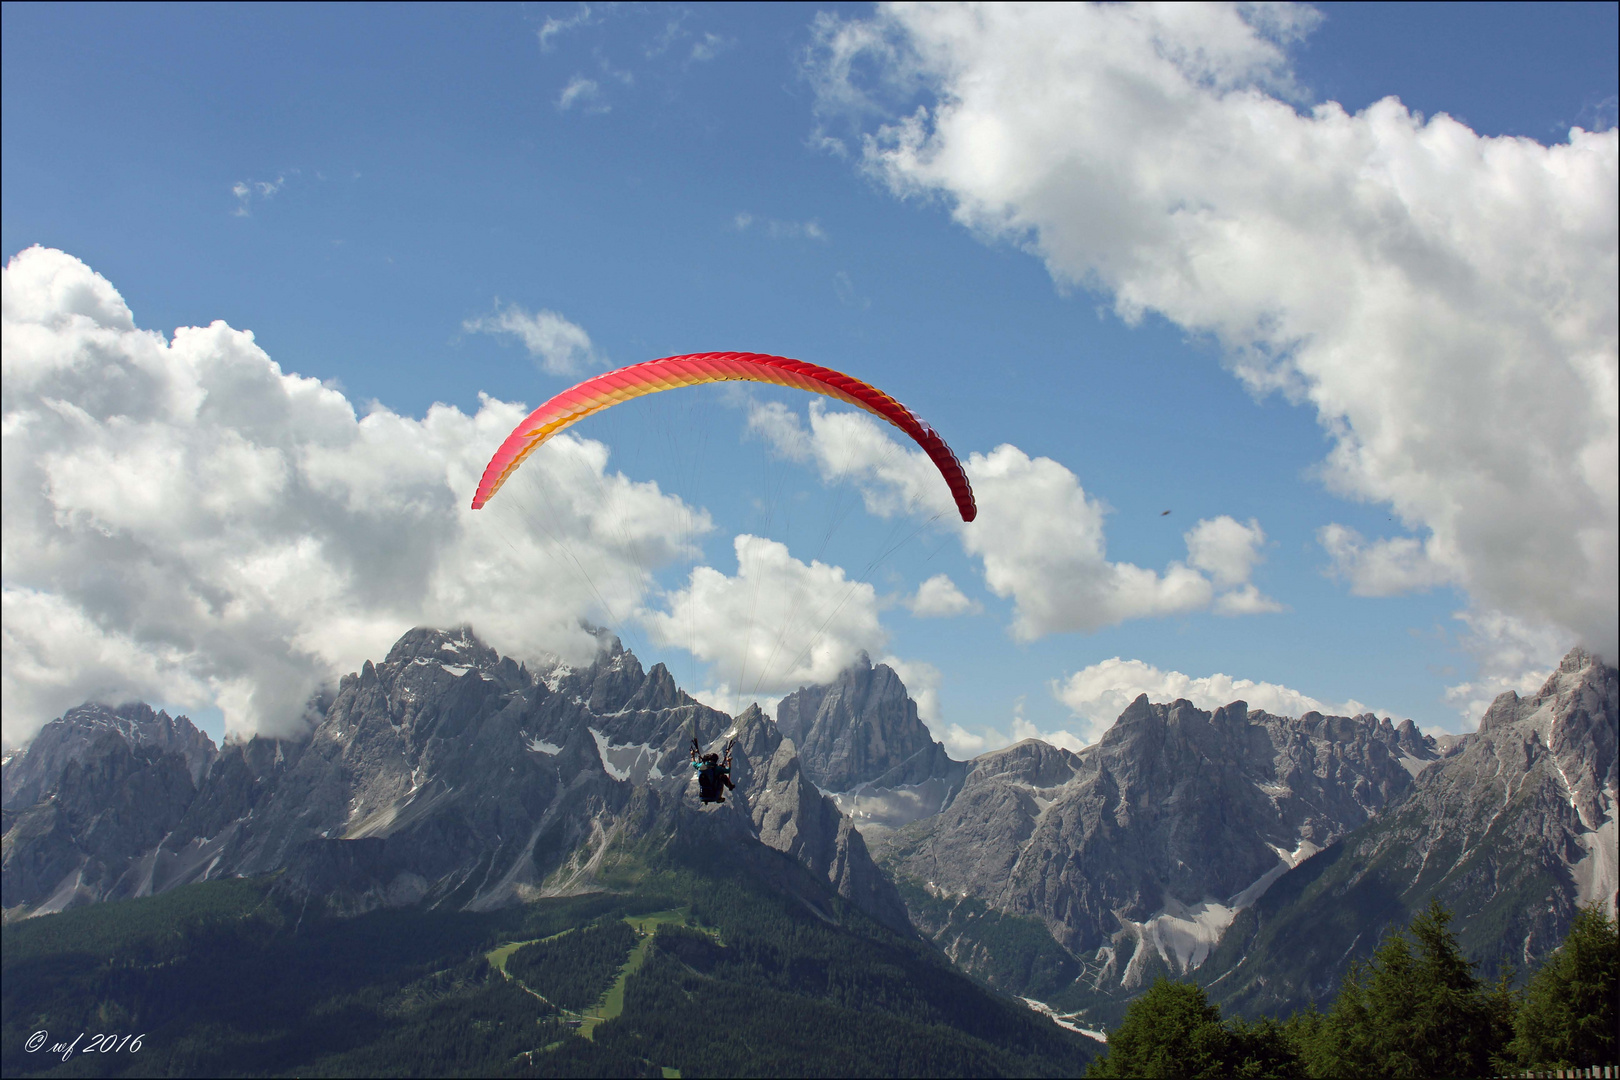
608 389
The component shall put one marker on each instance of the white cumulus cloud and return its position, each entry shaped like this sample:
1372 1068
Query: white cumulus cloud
1446 302
1513 654
1246 599
939 598
962 743
1228 551
558 346
1039 536
186 522
1099 693
1386 567
775 625
1063 738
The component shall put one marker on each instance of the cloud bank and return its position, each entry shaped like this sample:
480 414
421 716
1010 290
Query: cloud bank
187 523
1039 537
1446 302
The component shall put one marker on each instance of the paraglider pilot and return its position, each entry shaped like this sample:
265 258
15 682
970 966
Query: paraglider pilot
714 775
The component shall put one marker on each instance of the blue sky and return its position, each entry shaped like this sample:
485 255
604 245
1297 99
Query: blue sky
363 188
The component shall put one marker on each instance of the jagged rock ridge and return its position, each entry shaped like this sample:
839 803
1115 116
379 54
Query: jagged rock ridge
1510 833
446 774
1137 852
26 778
449 775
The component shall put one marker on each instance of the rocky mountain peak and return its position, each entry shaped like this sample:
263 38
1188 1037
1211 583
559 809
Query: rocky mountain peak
459 647
861 728
1141 720
29 776
790 814
1572 717
1030 762
1579 675
1577 660
614 679
1504 709
1408 737
658 691
1138 711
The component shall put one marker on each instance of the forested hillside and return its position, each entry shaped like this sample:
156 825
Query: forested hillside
234 978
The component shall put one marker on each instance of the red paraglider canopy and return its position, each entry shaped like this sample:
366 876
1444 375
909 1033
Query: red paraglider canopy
598 393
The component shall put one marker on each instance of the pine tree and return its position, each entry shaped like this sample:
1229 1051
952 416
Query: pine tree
1412 1012
1261 1051
1173 1031
1568 1017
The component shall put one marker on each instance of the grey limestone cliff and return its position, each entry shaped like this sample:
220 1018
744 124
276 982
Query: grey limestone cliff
1511 833
790 814
860 738
862 728
445 774
97 790
1136 853
27 778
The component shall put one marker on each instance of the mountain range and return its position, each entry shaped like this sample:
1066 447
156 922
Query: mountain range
1256 854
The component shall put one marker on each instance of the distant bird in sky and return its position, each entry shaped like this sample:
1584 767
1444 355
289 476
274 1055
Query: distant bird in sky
1165 512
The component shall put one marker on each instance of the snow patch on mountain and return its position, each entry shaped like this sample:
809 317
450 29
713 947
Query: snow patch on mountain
636 762
1184 934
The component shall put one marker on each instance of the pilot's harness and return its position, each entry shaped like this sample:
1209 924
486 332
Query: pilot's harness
724 764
